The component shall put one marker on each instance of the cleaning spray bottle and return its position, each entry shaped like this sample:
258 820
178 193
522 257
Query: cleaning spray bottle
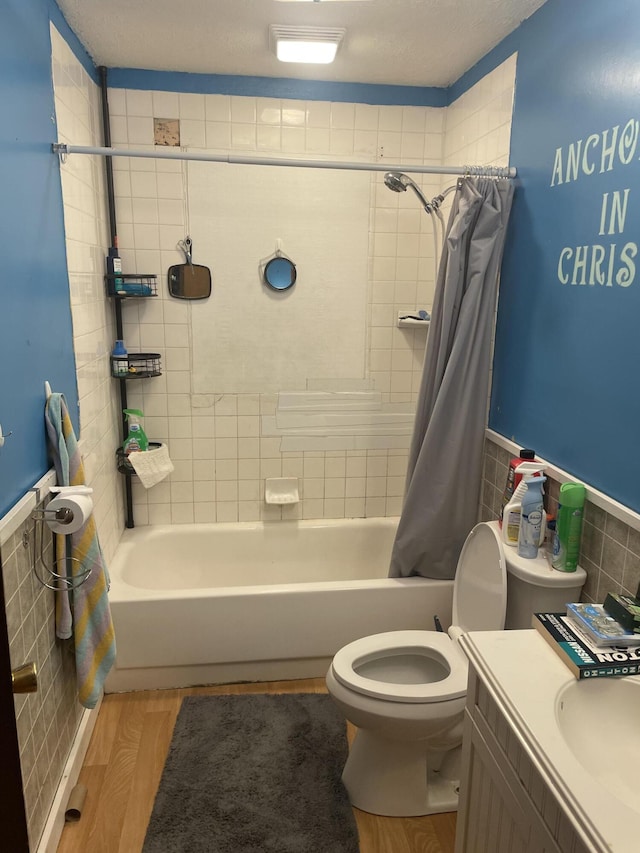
136 439
513 509
532 519
514 477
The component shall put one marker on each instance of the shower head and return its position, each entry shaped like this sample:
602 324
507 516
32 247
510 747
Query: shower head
398 182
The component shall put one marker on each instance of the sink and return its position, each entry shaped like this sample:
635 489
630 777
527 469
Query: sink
583 736
599 722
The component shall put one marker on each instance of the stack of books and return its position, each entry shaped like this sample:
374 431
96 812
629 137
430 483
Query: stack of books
590 642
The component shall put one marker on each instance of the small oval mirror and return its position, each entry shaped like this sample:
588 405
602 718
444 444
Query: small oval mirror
280 273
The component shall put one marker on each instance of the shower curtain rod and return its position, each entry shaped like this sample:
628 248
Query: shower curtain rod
63 150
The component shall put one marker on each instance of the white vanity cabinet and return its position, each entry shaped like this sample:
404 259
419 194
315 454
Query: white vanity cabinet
510 801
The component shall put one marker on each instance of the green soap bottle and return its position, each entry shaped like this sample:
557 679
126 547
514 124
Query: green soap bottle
566 543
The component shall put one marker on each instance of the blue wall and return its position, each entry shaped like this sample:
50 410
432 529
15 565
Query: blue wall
278 87
568 337
566 352
35 317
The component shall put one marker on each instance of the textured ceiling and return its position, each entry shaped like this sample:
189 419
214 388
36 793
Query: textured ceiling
402 42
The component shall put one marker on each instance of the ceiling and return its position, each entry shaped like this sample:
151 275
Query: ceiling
401 42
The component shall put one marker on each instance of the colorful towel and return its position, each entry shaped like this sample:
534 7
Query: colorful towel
82 612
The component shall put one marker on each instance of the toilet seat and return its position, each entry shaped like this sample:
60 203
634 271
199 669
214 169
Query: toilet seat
479 604
433 645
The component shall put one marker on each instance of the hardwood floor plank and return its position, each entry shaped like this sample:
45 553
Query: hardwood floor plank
107 828
104 734
152 754
445 827
126 756
75 834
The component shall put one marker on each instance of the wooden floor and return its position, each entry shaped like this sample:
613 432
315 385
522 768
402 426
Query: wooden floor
124 763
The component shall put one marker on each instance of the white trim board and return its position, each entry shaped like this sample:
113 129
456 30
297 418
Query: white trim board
50 838
22 509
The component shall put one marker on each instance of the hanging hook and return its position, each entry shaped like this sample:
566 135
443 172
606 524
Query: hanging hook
186 246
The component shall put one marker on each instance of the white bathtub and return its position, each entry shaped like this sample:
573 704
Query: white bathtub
216 603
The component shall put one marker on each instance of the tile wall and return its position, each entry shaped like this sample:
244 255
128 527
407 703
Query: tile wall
78 117
610 549
221 458
47 720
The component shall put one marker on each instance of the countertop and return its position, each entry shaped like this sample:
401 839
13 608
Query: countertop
526 677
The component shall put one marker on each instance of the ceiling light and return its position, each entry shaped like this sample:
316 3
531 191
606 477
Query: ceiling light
305 44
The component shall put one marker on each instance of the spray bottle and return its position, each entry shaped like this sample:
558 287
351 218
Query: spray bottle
514 477
136 439
513 509
532 519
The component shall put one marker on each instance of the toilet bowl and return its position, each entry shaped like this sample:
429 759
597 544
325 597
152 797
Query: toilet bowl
405 691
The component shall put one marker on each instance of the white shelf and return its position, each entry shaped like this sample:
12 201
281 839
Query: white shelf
408 322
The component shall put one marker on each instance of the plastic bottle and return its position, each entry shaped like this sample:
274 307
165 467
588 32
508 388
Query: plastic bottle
513 479
512 510
511 518
114 266
532 520
120 359
136 439
566 544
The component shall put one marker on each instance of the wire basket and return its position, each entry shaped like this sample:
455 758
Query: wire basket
125 285
122 461
137 365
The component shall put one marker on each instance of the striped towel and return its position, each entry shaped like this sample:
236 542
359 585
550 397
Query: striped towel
82 612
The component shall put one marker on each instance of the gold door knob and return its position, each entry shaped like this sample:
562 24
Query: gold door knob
24 679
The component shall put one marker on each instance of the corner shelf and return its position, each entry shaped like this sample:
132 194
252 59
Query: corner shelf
127 285
141 365
122 461
407 321
137 365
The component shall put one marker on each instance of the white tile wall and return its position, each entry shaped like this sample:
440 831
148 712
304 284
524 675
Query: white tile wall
77 102
478 124
220 457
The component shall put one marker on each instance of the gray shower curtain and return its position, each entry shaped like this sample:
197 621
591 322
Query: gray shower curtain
445 458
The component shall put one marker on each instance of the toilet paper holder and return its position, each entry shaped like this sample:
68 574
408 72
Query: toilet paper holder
63 574
63 515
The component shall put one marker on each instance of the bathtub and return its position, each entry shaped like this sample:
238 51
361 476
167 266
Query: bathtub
251 601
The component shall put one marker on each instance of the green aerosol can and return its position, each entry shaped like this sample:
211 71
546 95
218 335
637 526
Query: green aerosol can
566 543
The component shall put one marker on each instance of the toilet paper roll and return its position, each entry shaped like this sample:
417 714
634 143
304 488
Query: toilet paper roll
76 802
80 505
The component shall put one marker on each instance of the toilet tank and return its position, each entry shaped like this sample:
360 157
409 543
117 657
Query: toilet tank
534 587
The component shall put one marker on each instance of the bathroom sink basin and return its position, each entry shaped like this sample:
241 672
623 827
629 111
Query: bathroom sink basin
598 721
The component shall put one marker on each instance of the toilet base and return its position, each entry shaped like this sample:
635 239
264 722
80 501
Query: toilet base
393 778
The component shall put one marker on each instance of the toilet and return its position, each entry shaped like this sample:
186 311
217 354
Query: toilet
406 690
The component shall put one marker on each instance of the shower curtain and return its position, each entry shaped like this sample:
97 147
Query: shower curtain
445 458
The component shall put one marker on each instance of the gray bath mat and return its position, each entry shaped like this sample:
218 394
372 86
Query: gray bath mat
254 774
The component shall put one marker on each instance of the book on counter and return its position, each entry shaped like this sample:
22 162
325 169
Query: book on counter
580 654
